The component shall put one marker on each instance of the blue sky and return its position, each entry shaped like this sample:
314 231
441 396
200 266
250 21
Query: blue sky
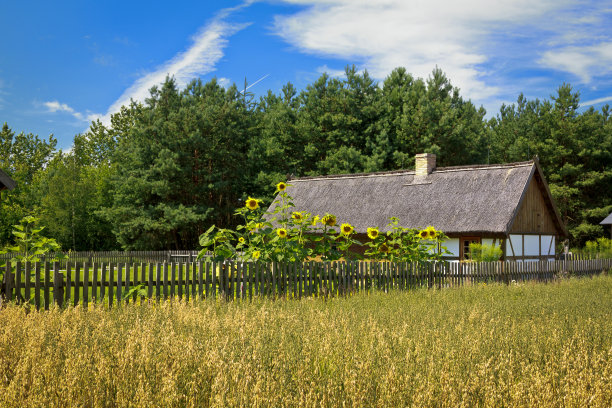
65 63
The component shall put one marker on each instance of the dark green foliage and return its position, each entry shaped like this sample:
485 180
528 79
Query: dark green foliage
162 172
575 152
22 157
180 167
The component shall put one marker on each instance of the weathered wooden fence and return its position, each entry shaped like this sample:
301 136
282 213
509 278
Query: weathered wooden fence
130 257
43 284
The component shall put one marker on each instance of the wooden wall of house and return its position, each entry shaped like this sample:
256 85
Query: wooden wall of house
534 216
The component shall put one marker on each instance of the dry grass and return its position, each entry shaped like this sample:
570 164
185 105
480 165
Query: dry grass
490 345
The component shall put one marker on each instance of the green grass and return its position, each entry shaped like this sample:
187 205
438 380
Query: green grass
545 345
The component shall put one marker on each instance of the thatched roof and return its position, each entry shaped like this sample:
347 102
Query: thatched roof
6 182
607 220
462 199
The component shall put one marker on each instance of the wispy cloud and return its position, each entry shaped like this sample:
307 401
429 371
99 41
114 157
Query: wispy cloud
324 69
224 82
476 42
597 101
56 106
586 62
199 59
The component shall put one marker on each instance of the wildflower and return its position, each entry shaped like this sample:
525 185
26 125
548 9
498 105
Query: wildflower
431 232
297 216
346 229
241 240
373 233
282 186
329 220
252 203
281 232
424 234
384 248
256 255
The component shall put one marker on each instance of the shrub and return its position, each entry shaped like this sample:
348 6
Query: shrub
485 252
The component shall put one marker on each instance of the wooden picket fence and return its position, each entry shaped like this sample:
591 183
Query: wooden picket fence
44 284
130 257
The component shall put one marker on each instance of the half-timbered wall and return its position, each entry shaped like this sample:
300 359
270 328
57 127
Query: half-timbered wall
530 247
534 216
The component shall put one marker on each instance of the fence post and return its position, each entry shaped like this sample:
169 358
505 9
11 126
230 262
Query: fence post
58 285
8 289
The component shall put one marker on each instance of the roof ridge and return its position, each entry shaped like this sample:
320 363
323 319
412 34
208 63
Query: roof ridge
405 171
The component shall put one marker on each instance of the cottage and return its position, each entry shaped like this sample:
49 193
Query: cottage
6 183
509 205
608 221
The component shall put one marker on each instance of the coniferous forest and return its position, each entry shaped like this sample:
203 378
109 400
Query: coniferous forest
164 170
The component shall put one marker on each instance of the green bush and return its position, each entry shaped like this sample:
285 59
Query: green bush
485 252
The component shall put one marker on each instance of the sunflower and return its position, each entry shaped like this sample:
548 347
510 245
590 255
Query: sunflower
241 240
281 232
431 232
256 255
315 220
424 234
252 203
329 220
282 186
373 233
346 229
297 216
384 248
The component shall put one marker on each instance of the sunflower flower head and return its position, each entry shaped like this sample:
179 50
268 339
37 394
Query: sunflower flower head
384 248
297 216
315 220
423 234
346 229
431 232
329 220
252 203
241 240
373 233
256 255
282 233
282 186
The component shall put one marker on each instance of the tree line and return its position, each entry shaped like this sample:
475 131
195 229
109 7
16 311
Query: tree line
164 170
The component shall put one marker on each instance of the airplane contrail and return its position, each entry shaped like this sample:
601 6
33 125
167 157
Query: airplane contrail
259 80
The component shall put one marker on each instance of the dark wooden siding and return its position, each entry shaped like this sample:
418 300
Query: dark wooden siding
534 215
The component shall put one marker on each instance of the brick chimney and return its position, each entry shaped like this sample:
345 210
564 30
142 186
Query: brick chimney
425 163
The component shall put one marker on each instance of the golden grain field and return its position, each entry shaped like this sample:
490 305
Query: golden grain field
532 345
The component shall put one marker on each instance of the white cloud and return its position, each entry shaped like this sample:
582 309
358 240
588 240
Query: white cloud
324 69
224 82
56 106
200 58
417 35
586 62
597 101
472 41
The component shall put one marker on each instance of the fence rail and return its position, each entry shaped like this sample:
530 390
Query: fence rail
130 257
42 284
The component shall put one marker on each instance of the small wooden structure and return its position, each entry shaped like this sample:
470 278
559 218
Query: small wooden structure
608 221
508 205
6 183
